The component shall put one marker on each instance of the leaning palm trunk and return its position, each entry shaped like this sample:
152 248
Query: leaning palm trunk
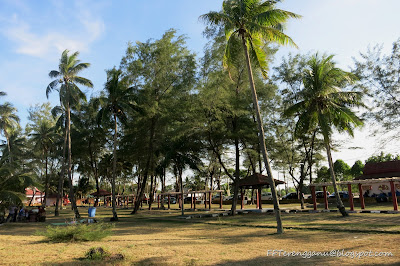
114 209
339 202
262 140
8 145
71 186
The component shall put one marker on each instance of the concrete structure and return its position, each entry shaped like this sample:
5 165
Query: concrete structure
378 180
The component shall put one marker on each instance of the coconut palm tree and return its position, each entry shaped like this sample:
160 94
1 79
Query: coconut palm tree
324 106
67 81
253 23
116 101
9 121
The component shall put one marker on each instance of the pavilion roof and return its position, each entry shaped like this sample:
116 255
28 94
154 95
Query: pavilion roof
102 192
257 180
380 170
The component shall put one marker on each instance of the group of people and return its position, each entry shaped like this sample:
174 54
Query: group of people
21 214
17 214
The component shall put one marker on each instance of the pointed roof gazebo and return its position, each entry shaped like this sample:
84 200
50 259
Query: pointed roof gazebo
102 192
256 181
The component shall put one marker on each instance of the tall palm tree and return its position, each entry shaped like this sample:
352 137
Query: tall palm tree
253 23
324 106
67 81
118 99
9 121
43 139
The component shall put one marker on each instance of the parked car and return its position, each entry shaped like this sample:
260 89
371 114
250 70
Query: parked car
188 199
239 198
172 200
264 196
216 198
342 194
319 195
291 195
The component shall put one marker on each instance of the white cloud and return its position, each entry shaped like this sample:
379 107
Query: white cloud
52 40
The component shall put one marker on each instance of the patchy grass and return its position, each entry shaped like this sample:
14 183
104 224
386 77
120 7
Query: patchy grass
162 238
76 232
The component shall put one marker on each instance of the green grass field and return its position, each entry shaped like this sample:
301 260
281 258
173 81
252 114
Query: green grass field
161 237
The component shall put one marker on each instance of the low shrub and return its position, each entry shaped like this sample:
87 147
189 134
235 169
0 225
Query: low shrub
97 254
77 232
101 253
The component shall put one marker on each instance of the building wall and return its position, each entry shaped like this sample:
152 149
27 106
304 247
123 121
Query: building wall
378 188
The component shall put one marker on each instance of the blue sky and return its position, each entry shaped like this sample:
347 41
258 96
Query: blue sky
34 33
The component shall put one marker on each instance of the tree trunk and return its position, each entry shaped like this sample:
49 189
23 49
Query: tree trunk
151 191
114 208
94 170
182 198
237 173
300 186
147 167
60 186
71 189
262 140
46 189
162 176
8 145
339 202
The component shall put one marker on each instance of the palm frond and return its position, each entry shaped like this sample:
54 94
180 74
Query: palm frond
83 81
52 86
274 17
259 55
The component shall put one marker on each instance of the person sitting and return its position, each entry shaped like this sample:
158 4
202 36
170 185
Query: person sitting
22 215
11 214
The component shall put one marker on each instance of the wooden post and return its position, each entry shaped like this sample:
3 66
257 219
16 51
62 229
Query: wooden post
361 196
260 195
394 197
258 199
191 203
158 199
220 200
242 199
314 198
169 201
205 200
194 201
209 200
180 201
351 201
325 197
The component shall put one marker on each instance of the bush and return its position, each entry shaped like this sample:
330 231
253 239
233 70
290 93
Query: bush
97 254
78 232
